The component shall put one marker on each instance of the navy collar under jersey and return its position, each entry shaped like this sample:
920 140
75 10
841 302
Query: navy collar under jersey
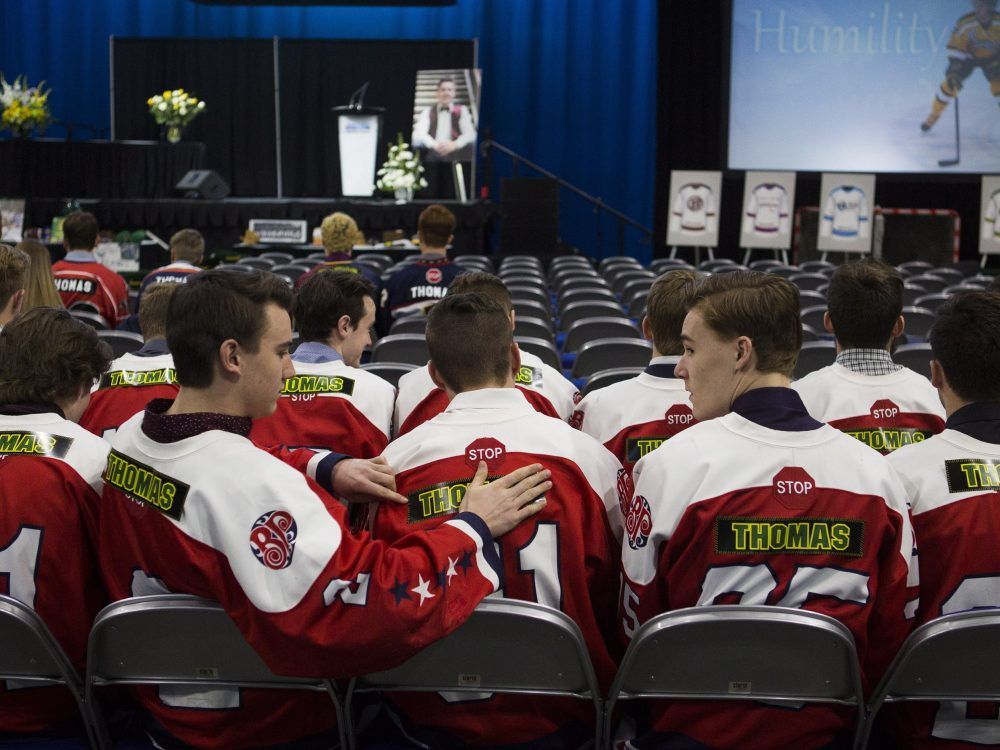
979 420
661 370
20 410
153 348
775 408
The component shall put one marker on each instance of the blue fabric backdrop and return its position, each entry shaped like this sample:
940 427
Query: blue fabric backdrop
571 84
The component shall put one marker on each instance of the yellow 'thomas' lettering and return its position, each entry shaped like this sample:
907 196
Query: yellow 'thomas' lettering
888 440
439 500
140 482
134 378
32 444
316 384
792 536
980 475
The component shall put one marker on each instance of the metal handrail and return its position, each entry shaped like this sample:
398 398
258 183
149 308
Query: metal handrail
488 145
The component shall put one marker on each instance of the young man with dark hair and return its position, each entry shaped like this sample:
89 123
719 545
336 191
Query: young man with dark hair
864 393
953 481
330 402
187 250
13 280
414 288
761 504
81 278
566 557
545 388
635 416
191 505
137 378
50 482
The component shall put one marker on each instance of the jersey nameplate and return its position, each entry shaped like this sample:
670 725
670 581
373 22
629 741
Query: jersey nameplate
135 378
807 536
637 447
969 474
22 443
438 500
318 384
883 439
527 375
144 483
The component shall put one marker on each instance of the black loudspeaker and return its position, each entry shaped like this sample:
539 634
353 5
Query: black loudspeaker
202 183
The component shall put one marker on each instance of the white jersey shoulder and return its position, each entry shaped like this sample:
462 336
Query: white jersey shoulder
836 392
130 369
644 398
234 487
412 389
371 395
551 383
52 436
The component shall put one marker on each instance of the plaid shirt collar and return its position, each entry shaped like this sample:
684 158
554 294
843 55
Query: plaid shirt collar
868 361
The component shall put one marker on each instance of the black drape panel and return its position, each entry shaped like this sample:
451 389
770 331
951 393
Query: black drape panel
235 78
316 75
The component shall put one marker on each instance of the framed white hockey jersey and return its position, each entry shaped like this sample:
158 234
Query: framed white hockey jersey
845 223
989 227
695 199
768 204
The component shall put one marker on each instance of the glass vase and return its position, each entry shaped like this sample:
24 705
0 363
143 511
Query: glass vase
404 194
173 133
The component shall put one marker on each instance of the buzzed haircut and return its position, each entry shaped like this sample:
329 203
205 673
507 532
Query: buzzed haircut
469 339
762 307
436 225
188 244
325 298
80 230
485 284
14 266
965 340
670 296
153 308
865 299
47 356
214 306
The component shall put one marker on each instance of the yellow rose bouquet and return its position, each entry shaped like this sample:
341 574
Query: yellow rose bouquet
25 108
174 110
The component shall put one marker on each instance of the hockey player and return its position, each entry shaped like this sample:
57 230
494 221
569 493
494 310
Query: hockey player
340 234
13 278
864 393
330 402
545 388
565 557
952 481
761 504
50 480
190 505
975 43
187 249
81 278
414 288
634 417
135 379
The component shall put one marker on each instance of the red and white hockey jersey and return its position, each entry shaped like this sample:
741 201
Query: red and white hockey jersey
767 209
332 406
80 278
50 482
129 384
212 515
953 480
734 512
885 412
694 207
845 213
564 557
545 388
634 417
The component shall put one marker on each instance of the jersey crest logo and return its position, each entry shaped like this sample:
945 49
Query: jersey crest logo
696 203
638 522
433 276
272 539
576 420
625 490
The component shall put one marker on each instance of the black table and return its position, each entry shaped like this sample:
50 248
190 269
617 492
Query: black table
49 168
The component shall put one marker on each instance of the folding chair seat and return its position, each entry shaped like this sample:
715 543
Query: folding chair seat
932 282
785 271
620 279
816 266
531 308
590 329
952 275
662 265
710 265
566 278
527 291
813 316
918 323
121 342
410 348
966 286
83 306
521 278
94 320
636 285
291 270
765 264
813 356
540 347
932 301
914 268
277 258
410 324
569 261
261 264
811 298
809 333
381 259
606 353
915 356
389 371
534 327
197 645
586 294
552 659
470 262
620 261
732 652
810 281
590 309
637 305
911 292
729 268
604 378
587 281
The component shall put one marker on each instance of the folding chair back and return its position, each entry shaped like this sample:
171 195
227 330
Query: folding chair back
402 347
915 356
389 371
121 342
604 378
543 348
606 353
813 356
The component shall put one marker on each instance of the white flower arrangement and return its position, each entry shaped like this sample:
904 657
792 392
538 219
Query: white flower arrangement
402 170
23 107
174 108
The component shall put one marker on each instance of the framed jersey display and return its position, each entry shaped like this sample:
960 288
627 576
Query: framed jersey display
989 227
768 201
847 203
695 198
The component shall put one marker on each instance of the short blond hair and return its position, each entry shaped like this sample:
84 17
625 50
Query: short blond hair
340 233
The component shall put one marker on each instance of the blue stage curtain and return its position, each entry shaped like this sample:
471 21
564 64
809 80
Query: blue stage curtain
571 84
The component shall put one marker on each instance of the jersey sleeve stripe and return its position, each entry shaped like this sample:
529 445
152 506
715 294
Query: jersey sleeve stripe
487 558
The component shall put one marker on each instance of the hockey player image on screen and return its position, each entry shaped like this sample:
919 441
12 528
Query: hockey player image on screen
767 210
694 208
975 43
845 213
